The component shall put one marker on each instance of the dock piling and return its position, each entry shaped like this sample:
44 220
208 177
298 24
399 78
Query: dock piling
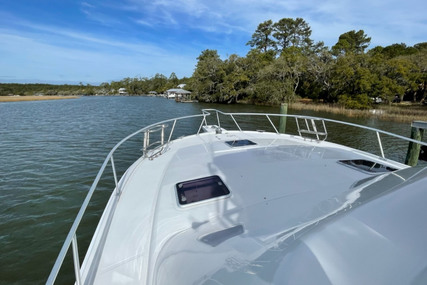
417 132
282 123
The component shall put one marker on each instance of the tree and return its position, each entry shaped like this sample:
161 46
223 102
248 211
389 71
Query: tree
208 76
352 81
158 83
261 38
420 61
233 80
279 81
316 83
382 85
351 42
400 71
173 79
421 46
292 32
351 77
250 65
394 50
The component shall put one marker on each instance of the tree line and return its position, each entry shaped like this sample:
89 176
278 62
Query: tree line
134 86
283 65
41 89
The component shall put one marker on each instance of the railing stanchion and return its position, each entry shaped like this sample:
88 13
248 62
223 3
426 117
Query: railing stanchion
299 129
173 128
145 144
324 128
114 174
76 260
147 134
236 122
162 135
271 122
381 146
314 128
201 124
217 118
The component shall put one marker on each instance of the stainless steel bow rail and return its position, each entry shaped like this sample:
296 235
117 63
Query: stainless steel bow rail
71 238
155 144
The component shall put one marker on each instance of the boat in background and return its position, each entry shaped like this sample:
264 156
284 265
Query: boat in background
229 203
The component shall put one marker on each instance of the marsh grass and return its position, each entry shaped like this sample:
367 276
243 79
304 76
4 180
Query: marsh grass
403 112
33 98
397 113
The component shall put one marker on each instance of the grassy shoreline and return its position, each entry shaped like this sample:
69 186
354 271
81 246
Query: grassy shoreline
396 113
33 98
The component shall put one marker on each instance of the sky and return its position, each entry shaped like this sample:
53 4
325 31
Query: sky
96 41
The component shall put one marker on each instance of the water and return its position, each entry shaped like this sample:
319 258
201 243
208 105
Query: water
50 152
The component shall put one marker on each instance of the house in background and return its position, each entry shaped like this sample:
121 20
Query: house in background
122 91
177 93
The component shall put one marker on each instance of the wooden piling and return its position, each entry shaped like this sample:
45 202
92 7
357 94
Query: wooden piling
417 132
282 123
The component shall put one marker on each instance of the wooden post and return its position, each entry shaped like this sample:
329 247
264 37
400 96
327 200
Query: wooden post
417 132
284 111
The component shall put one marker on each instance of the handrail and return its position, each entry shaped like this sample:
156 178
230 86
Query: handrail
71 238
73 231
318 118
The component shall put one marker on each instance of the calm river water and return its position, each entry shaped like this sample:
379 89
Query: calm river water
50 152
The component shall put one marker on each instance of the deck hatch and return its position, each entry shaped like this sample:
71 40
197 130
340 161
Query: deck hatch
201 189
367 165
237 143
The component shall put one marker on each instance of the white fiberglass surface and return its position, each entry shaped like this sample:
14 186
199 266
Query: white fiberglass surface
277 186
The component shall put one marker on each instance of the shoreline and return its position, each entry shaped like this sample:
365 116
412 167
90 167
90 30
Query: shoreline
403 113
398 113
19 98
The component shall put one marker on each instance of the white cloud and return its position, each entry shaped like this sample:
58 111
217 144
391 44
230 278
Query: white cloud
144 22
59 36
93 14
85 4
392 20
106 60
116 39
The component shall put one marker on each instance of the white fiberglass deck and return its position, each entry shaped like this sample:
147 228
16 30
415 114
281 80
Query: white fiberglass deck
277 188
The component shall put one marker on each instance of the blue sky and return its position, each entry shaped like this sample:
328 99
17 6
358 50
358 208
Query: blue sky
95 41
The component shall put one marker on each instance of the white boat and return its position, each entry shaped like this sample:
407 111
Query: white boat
226 205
